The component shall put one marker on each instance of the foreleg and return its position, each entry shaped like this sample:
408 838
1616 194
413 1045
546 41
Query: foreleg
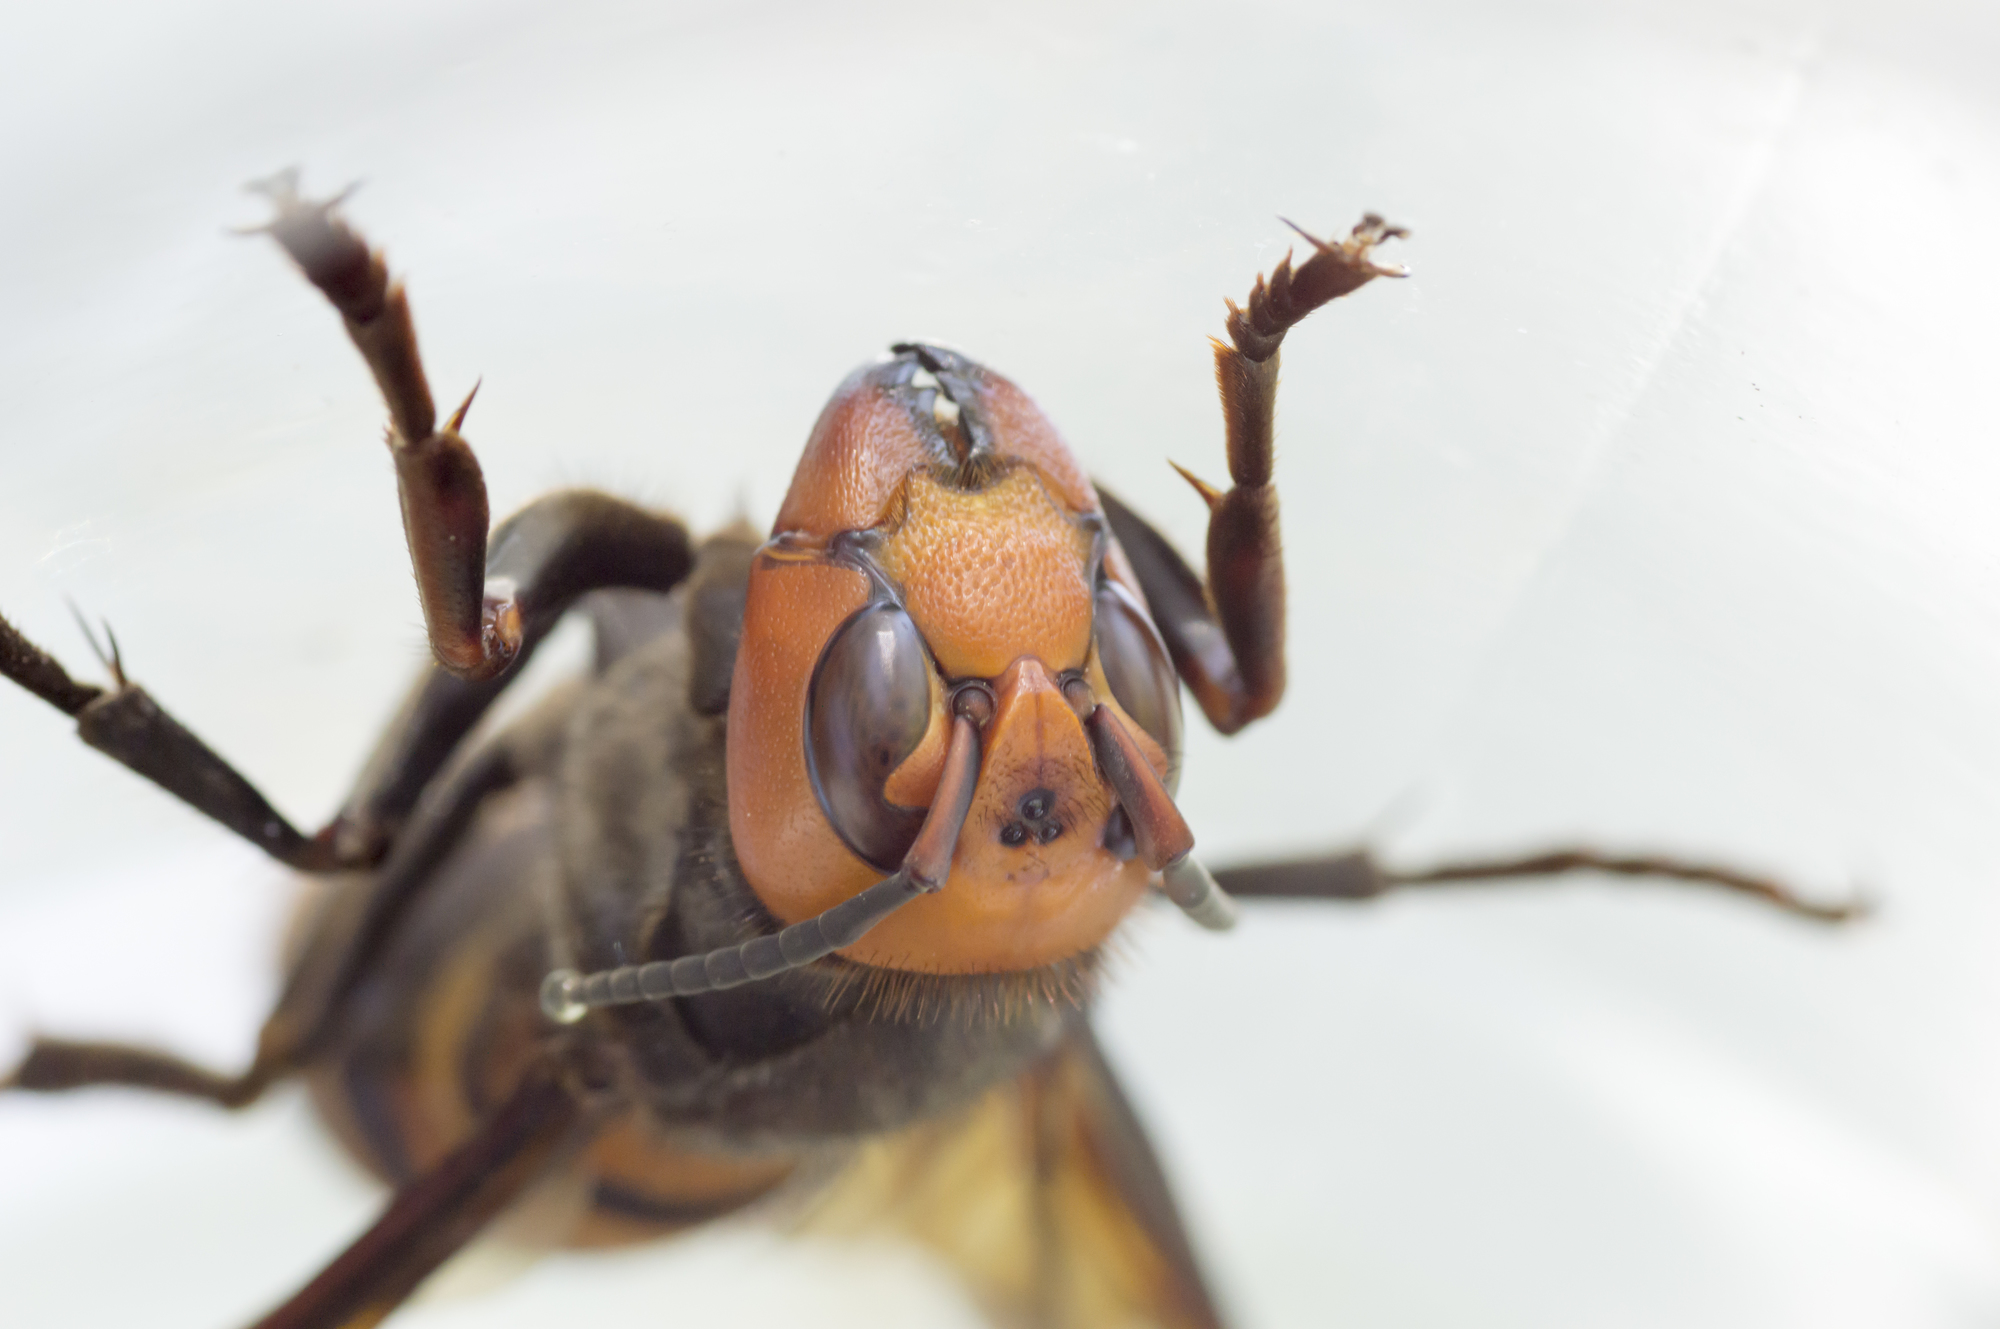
486 603
1227 638
474 610
548 555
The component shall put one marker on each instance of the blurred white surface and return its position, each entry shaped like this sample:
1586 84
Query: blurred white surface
1662 506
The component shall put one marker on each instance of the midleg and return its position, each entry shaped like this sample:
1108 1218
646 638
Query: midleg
551 552
126 724
1354 874
1227 638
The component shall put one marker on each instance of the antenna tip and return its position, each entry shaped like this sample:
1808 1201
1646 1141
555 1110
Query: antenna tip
559 997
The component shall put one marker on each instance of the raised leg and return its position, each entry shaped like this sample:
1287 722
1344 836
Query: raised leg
486 603
1355 875
549 555
474 611
435 1215
1228 639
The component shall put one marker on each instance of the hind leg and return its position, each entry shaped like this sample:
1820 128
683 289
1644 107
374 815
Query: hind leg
1355 875
433 1216
55 1065
349 940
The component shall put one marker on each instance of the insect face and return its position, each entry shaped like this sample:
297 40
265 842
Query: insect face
941 552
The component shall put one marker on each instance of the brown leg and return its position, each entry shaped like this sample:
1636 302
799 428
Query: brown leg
1228 639
552 552
347 945
439 1212
331 967
56 1065
484 612
442 708
127 725
1355 875
549 555
476 611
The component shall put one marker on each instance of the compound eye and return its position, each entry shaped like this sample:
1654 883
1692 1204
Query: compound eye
868 707
1135 663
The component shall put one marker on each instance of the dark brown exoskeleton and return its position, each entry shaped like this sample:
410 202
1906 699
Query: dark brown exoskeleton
798 897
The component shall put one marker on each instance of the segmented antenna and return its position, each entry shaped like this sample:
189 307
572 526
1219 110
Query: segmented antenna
567 995
1189 885
1164 842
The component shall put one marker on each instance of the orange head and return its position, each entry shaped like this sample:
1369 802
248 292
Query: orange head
941 550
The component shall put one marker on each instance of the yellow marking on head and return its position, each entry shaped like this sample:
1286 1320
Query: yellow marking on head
992 575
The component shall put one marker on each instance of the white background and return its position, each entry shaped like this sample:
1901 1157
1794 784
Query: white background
1661 507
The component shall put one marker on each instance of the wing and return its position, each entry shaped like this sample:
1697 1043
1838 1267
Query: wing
1044 1196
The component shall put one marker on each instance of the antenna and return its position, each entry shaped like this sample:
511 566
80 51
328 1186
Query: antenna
567 995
